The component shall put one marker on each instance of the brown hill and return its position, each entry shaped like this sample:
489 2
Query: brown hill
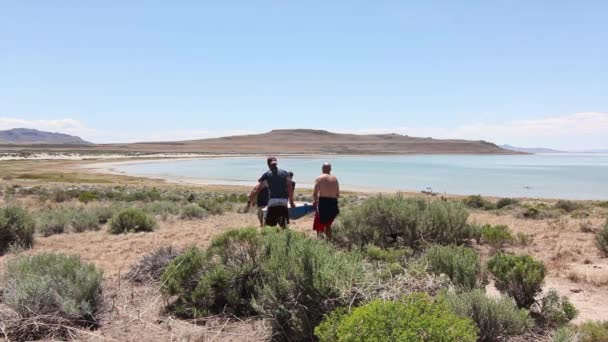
290 141
318 142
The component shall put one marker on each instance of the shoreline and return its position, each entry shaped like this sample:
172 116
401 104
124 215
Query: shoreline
108 168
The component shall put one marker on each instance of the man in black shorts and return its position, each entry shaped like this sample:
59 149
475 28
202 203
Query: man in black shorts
280 193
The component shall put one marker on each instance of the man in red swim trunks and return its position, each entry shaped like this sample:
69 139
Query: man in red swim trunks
325 197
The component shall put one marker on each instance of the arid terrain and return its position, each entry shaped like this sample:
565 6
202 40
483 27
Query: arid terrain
565 242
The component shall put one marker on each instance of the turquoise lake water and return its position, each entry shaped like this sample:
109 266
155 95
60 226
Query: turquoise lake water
572 176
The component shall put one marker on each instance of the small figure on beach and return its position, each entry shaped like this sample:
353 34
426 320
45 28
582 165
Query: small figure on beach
259 198
325 200
280 193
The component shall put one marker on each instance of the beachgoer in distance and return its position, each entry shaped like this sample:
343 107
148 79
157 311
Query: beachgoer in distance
325 199
260 200
280 193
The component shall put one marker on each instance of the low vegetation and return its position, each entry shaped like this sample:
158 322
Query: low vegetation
132 220
460 264
49 293
495 317
478 202
416 317
590 331
519 276
555 310
400 268
568 206
601 240
16 228
496 237
402 222
505 202
245 272
192 211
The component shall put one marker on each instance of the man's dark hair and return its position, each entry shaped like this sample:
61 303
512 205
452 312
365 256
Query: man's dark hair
290 174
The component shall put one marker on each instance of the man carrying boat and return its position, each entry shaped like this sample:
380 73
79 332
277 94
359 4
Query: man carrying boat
325 197
280 193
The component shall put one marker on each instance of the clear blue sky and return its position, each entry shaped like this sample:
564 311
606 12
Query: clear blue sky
133 70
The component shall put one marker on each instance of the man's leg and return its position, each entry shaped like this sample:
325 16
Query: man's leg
328 232
261 216
284 219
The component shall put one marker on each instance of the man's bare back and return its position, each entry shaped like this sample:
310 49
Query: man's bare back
326 185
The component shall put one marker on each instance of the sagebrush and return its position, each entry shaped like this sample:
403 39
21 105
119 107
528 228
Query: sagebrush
16 228
283 275
132 220
495 317
415 317
396 221
52 286
460 264
519 276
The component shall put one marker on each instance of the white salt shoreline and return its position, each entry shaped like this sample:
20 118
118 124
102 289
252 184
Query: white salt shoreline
110 168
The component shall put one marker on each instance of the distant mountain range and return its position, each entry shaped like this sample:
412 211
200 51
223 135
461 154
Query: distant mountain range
27 136
530 149
549 150
280 141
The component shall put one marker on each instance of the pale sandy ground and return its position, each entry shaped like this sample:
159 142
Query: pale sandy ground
135 313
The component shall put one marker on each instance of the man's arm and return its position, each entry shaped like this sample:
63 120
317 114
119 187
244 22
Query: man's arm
290 192
315 193
338 187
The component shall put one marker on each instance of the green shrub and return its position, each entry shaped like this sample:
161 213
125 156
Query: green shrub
593 331
478 202
496 236
213 207
519 276
391 255
48 286
416 317
397 221
568 206
505 202
540 211
16 228
84 220
87 196
192 211
494 317
531 213
601 239
460 264
555 310
162 209
132 220
445 223
245 272
565 334
53 222
103 212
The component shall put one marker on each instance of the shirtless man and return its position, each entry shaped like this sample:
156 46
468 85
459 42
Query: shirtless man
325 197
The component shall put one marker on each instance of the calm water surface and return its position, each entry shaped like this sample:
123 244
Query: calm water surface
573 176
